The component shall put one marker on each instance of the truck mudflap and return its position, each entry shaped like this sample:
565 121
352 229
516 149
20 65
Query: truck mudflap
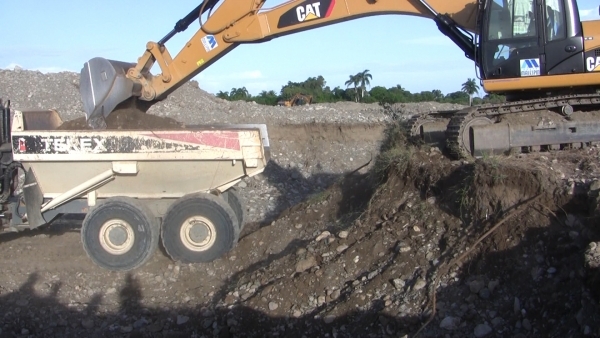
33 195
5 123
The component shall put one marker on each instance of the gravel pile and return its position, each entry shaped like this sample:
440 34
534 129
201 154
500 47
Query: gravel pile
31 90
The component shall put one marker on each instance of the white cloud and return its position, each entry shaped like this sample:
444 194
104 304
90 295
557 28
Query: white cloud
12 66
588 14
44 70
253 88
52 69
213 83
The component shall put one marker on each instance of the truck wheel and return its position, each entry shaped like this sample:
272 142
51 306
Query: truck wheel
236 203
120 234
199 228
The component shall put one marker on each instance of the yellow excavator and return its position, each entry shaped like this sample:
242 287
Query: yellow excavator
539 54
296 100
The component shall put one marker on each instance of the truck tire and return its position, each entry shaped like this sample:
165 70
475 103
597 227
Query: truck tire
236 203
120 234
199 228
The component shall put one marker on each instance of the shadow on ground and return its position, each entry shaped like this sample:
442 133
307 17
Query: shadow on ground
529 302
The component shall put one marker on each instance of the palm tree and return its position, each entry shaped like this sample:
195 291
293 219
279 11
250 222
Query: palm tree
470 87
364 78
354 80
239 93
223 95
437 94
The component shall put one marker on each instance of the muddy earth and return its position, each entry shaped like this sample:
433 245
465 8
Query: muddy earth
383 252
352 232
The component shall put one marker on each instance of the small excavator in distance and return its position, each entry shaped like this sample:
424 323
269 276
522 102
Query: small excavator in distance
296 100
539 54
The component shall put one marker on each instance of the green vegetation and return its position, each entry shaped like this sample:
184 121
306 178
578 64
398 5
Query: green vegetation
494 168
393 152
357 90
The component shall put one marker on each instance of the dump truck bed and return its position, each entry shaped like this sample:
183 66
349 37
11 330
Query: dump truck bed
167 163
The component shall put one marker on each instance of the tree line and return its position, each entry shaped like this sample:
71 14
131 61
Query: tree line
358 89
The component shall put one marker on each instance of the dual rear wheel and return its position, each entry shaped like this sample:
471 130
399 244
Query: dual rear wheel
122 234
199 228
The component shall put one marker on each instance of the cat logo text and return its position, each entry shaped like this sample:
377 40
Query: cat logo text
306 11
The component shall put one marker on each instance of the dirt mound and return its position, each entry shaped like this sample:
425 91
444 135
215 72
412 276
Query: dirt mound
498 247
127 119
189 104
500 244
33 90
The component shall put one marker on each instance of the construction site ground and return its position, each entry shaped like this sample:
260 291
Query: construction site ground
353 232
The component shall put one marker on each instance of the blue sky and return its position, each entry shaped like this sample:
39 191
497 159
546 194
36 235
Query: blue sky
63 34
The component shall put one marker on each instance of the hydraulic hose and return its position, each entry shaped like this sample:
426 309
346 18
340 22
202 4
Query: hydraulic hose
184 23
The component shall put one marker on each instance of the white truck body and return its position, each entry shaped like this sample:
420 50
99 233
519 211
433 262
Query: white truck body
154 164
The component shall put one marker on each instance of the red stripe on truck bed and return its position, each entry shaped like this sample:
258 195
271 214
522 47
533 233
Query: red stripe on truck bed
218 139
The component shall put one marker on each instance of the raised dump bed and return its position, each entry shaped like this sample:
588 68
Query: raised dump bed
135 186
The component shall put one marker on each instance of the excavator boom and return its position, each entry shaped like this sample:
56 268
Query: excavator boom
107 83
537 53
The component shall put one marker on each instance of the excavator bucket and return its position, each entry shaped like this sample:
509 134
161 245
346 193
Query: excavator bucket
103 85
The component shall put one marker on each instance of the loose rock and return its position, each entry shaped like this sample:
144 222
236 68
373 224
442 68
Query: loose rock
182 319
482 330
450 323
306 264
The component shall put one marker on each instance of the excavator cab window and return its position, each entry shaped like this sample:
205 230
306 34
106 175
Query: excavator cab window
512 29
555 20
511 19
526 38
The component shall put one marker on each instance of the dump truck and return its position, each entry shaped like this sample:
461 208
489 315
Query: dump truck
135 187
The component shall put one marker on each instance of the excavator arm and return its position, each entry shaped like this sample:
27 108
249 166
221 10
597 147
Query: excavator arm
107 83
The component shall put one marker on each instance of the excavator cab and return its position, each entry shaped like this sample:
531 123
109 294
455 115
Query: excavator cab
526 38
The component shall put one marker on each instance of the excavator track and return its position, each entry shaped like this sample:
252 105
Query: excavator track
457 141
543 133
415 124
429 128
